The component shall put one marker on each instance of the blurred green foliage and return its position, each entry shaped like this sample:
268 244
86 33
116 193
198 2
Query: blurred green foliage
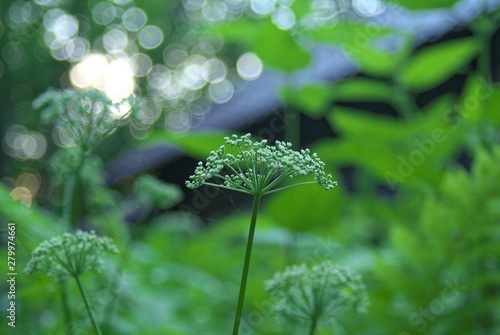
418 217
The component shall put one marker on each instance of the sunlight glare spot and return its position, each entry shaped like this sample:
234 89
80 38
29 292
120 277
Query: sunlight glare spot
89 72
120 111
119 80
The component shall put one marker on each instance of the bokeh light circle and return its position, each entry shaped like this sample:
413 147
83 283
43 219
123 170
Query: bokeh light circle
284 18
263 7
368 7
214 70
249 66
150 37
134 19
221 92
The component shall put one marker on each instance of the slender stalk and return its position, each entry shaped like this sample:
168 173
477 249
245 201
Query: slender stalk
116 281
72 191
70 216
244 275
65 307
484 59
292 119
312 330
87 305
403 100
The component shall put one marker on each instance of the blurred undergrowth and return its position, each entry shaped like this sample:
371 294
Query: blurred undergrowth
416 152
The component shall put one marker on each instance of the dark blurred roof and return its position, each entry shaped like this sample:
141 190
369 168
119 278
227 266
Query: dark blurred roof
260 98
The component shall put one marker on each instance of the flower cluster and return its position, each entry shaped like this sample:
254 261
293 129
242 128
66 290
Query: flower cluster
70 255
153 192
84 117
317 293
258 167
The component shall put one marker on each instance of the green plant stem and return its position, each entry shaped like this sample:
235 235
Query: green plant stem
244 275
87 305
70 217
72 191
116 281
403 100
312 330
292 130
65 307
291 119
484 58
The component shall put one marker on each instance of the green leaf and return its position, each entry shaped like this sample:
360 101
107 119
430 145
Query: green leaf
356 123
275 47
195 144
240 31
357 40
311 99
474 99
424 4
363 89
385 145
353 35
374 62
434 64
301 8
278 49
37 223
304 208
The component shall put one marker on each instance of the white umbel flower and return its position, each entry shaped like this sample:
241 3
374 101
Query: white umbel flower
258 168
70 255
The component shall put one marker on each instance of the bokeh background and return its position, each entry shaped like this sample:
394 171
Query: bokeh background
400 98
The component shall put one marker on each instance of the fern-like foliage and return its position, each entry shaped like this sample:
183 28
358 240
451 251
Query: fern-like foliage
442 272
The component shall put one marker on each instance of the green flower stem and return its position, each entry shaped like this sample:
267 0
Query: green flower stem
291 119
244 276
312 330
70 216
72 191
116 282
89 310
65 306
290 186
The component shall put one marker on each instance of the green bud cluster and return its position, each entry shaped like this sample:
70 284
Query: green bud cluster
70 255
86 116
153 192
258 168
319 293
